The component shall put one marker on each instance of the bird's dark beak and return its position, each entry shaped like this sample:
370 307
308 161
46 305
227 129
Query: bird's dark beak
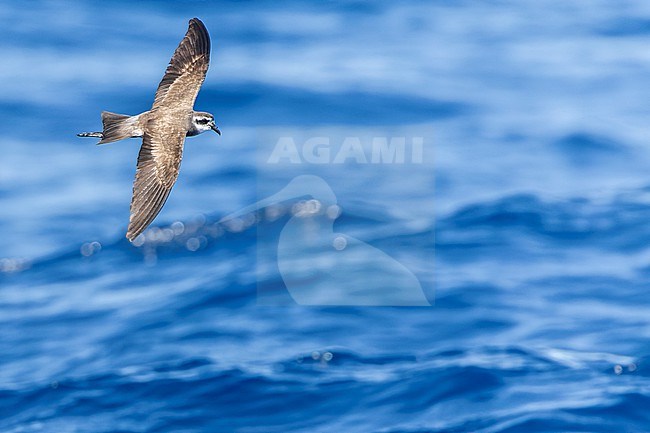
215 128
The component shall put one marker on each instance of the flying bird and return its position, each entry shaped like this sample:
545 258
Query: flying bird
163 128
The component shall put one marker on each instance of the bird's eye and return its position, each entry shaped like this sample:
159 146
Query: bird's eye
203 121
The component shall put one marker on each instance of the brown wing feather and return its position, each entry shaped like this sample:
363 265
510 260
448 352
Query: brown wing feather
158 164
186 70
164 134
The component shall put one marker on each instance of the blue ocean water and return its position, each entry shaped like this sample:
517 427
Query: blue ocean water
526 224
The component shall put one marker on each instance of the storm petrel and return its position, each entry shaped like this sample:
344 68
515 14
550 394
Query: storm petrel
163 128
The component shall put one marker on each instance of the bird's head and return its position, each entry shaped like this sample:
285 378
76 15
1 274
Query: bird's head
201 122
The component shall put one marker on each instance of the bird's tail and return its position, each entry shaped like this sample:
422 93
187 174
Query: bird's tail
91 134
116 127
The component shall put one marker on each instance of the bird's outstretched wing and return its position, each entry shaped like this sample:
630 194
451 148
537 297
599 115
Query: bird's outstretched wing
186 70
158 164
164 135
